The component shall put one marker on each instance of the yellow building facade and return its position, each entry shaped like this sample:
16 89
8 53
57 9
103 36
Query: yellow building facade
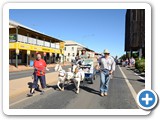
25 43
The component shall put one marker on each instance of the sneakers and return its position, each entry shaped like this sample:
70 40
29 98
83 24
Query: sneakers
103 94
42 93
30 94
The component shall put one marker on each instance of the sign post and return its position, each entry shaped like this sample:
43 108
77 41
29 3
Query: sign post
17 53
28 53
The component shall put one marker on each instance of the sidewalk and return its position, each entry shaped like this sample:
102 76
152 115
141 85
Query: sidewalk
12 68
19 86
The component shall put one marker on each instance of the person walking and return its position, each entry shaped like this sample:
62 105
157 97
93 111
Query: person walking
39 73
106 67
132 62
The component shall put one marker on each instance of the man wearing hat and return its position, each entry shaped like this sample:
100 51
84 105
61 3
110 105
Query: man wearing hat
84 55
106 67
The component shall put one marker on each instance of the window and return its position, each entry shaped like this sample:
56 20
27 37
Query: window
73 55
65 48
68 54
72 48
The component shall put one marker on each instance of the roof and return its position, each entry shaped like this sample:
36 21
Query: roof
89 50
69 43
16 24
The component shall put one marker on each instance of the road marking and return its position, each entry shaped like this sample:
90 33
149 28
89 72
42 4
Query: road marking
26 98
20 101
134 94
139 76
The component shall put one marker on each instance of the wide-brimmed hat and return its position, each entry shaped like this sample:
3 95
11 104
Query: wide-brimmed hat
106 51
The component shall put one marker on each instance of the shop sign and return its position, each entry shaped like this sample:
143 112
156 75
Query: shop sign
46 49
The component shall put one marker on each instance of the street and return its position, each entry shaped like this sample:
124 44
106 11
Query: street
121 94
27 73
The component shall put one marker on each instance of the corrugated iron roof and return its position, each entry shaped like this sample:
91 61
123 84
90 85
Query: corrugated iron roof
16 24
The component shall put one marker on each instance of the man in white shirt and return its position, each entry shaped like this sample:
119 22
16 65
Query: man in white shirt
106 67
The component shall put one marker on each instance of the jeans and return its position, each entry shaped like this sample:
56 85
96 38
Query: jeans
95 72
104 80
42 81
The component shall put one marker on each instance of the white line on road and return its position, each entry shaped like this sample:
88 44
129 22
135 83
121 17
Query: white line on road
134 94
26 98
139 76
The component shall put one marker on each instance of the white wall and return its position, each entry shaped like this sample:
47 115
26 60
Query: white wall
69 50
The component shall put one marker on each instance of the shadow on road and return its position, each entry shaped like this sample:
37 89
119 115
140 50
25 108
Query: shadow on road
68 87
90 90
71 87
133 70
52 86
139 80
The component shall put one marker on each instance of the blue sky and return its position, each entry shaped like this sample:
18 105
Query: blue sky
96 29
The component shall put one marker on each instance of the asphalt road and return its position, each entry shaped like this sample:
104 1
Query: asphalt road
119 95
27 73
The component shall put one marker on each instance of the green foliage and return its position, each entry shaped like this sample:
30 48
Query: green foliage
123 57
135 55
140 65
128 55
12 37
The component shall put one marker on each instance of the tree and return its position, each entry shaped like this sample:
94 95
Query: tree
123 57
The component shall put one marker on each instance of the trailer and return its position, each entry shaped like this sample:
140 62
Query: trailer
88 68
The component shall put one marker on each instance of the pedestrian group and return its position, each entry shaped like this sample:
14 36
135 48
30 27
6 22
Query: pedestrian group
105 68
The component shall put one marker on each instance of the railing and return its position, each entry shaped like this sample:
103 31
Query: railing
40 42
31 41
34 41
57 46
53 45
47 44
22 38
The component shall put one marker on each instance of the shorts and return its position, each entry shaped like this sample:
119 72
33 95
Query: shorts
42 81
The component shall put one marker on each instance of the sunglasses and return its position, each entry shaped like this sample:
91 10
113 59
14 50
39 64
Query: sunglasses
106 53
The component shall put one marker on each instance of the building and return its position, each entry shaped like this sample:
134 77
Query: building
90 52
25 42
135 31
72 49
